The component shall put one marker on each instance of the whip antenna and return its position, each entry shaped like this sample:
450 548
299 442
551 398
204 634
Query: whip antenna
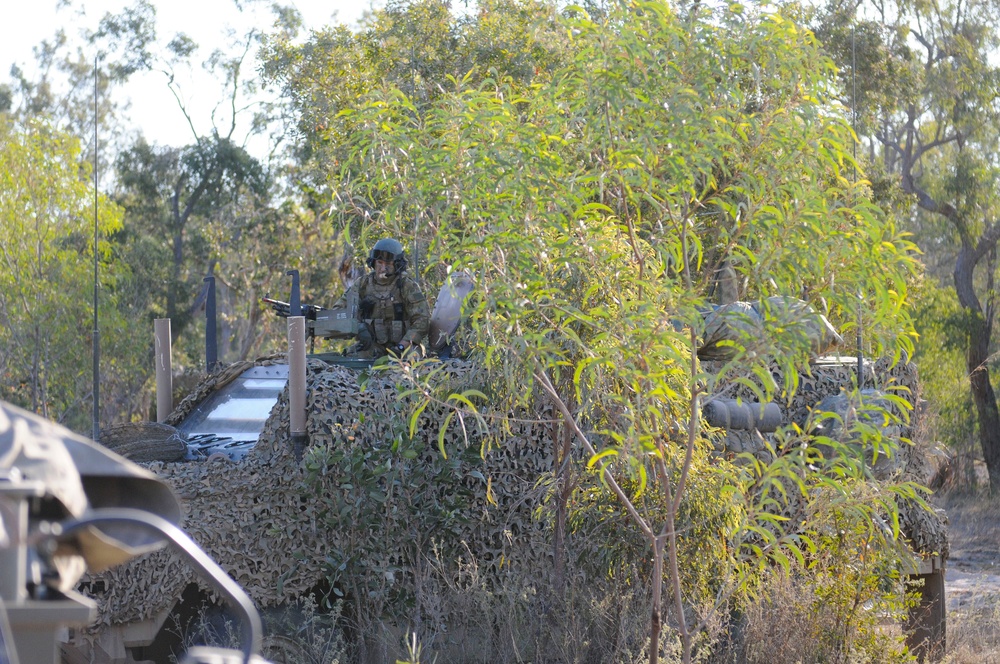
854 147
97 333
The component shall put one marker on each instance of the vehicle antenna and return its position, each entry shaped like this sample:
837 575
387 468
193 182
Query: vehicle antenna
97 333
854 129
416 249
211 326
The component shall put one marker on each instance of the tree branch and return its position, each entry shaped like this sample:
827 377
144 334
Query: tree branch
987 242
936 143
543 380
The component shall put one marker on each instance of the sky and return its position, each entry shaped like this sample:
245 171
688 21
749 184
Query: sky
27 22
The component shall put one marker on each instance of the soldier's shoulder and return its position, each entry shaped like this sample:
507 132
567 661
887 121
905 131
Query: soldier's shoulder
411 287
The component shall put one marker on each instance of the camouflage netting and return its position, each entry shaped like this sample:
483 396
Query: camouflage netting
829 377
744 322
252 518
256 518
145 441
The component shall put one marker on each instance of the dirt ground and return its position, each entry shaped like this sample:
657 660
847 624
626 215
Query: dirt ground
972 577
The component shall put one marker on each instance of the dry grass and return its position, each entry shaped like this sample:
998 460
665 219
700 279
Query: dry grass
973 576
516 624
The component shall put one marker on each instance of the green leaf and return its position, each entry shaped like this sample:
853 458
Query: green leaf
608 452
442 431
415 416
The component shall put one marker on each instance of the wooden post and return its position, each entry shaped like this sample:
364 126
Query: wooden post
297 383
164 372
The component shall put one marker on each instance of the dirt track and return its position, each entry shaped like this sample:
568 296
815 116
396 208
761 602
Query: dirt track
972 574
972 578
969 589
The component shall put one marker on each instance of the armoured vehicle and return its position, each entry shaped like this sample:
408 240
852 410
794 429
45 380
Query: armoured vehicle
247 503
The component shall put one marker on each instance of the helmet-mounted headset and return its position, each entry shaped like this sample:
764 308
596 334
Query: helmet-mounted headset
388 249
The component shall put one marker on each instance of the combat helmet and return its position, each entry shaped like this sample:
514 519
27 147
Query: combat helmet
390 250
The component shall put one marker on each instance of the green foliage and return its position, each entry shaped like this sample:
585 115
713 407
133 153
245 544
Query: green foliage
927 81
592 172
943 330
605 544
835 536
47 282
880 69
193 211
129 36
374 497
834 610
856 584
414 47
593 209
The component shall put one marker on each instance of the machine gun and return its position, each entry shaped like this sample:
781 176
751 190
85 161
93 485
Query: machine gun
337 323
284 309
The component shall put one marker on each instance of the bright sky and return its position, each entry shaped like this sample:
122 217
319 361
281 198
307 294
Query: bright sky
27 22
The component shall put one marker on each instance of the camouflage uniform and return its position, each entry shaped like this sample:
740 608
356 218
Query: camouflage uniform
391 313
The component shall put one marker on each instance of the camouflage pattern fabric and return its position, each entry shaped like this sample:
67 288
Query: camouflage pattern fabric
252 518
746 323
249 515
826 379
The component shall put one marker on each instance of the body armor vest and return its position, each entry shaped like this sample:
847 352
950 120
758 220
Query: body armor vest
387 316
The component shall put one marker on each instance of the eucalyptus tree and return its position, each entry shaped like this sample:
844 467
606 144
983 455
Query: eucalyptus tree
173 197
926 96
178 199
62 87
47 280
592 208
415 47
188 206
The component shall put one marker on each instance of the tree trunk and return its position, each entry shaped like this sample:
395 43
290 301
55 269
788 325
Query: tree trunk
656 617
985 398
561 443
980 331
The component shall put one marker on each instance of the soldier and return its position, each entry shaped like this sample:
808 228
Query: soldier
392 309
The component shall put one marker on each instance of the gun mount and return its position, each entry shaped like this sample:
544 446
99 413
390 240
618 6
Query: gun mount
339 323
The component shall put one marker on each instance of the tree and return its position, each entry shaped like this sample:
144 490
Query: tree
593 208
177 195
173 195
62 87
415 47
46 284
186 207
928 115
